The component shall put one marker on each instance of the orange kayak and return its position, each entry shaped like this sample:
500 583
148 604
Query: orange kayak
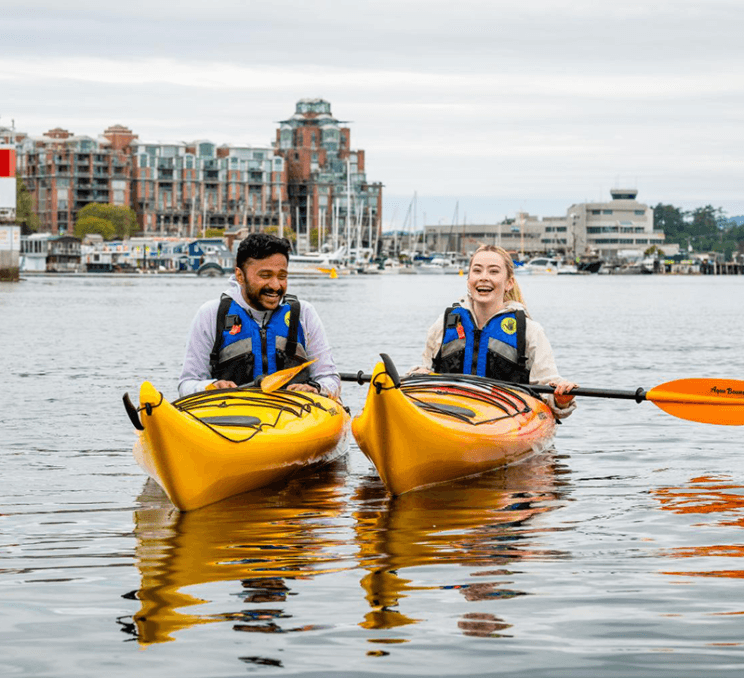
431 429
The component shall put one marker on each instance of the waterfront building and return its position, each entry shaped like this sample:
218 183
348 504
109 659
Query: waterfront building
186 188
619 229
327 185
523 235
177 189
64 172
34 252
309 179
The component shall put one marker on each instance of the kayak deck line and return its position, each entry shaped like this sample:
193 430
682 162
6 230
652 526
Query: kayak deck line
509 408
252 396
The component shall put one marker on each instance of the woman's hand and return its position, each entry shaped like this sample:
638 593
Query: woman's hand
562 392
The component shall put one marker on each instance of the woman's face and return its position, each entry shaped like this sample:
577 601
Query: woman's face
488 278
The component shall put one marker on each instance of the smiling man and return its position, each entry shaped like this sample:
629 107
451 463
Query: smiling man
256 328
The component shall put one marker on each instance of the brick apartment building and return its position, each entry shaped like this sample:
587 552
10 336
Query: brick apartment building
326 180
310 179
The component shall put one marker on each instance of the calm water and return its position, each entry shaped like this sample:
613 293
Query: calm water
619 553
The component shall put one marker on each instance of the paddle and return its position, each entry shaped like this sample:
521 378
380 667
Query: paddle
709 401
273 382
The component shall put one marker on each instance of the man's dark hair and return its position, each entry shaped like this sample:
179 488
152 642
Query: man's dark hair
261 246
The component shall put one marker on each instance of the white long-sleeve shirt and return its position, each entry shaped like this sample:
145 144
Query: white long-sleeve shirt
540 360
196 372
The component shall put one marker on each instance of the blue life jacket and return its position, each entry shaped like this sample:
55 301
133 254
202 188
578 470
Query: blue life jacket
244 350
497 351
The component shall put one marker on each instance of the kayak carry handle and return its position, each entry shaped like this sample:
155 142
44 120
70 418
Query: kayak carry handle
390 368
132 412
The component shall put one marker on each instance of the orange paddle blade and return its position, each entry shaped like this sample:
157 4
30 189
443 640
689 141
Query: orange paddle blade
274 382
709 401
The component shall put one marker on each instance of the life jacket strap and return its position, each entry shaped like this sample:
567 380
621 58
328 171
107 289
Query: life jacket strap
294 324
224 307
521 319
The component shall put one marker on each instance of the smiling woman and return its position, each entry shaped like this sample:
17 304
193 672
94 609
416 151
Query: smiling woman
490 334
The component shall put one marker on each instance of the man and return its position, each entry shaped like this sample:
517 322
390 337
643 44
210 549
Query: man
256 329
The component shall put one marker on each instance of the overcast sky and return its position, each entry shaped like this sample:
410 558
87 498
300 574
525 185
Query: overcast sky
491 106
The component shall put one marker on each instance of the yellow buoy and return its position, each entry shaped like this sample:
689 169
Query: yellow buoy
333 275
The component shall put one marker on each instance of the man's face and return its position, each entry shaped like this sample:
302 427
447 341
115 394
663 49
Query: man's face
264 281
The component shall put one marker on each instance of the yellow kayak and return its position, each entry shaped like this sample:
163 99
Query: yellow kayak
432 429
215 444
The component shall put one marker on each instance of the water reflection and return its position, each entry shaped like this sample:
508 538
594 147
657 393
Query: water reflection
721 501
265 541
261 540
484 522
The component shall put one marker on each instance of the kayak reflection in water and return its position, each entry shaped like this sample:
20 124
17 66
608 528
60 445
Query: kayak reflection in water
256 328
259 543
460 543
489 333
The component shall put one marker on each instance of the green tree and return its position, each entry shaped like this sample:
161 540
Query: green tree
214 233
88 225
289 234
26 217
123 218
705 221
671 220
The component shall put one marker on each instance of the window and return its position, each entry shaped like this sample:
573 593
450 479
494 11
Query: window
206 150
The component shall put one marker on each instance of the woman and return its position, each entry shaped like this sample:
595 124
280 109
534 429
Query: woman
489 333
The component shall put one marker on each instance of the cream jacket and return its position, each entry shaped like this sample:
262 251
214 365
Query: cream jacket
540 360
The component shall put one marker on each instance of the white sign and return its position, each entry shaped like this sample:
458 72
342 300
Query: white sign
10 238
8 193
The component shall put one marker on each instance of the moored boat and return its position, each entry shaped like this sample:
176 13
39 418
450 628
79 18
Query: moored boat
215 444
546 266
429 429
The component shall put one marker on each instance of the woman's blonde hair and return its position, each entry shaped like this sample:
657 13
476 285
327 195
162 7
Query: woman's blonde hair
514 294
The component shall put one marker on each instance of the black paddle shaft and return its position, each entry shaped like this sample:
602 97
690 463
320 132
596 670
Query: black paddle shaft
638 395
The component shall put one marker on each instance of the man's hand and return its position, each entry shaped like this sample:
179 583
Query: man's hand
222 383
302 387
